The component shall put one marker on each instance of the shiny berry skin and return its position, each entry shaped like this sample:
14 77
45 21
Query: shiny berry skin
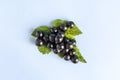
52 37
60 46
71 52
63 27
53 30
61 33
70 24
39 34
74 59
69 45
58 39
66 40
67 57
50 45
56 51
46 37
73 42
39 42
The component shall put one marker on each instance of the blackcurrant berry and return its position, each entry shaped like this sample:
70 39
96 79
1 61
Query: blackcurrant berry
66 40
60 46
53 30
63 27
39 34
61 33
69 45
74 59
56 51
71 52
46 37
67 57
58 39
70 24
50 45
65 50
73 42
39 42
52 37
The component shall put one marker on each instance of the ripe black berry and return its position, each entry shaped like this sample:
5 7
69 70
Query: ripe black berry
50 45
69 45
46 37
56 51
70 24
53 30
58 39
52 37
39 42
73 42
39 34
74 59
61 33
63 27
60 46
67 57
66 40
71 52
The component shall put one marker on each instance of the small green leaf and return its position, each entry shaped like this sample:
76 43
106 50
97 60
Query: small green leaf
73 31
60 55
45 29
69 36
44 50
81 58
58 22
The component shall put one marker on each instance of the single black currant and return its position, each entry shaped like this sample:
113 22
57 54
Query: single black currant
39 34
50 45
73 42
71 52
58 39
56 51
39 42
69 45
52 37
46 37
53 30
74 59
66 40
65 50
60 46
67 57
63 27
61 33
70 24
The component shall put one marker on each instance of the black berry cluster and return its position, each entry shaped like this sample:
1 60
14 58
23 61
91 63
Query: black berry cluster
57 41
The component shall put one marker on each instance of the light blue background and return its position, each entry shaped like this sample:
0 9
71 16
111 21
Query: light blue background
99 21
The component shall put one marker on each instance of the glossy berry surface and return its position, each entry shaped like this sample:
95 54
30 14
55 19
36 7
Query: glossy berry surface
63 27
39 34
52 37
67 57
72 52
70 24
39 42
74 59
53 30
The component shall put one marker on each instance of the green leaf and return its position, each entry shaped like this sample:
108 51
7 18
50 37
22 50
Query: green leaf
69 36
45 29
61 55
58 22
81 58
44 50
73 31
